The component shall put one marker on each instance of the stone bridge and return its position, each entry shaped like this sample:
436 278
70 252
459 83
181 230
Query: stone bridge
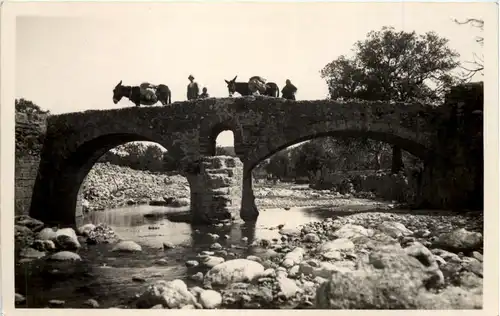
261 126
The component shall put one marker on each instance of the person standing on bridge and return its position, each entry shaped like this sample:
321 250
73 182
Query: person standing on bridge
192 89
204 94
289 90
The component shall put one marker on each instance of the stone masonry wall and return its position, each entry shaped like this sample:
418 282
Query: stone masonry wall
216 189
455 179
30 133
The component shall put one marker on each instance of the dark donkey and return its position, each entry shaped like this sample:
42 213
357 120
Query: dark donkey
135 94
242 88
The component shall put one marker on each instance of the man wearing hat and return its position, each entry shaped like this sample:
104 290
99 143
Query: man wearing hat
192 89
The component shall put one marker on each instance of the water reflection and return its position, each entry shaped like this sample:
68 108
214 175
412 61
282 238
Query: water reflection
135 223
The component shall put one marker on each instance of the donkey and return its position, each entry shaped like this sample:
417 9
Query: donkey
138 97
242 88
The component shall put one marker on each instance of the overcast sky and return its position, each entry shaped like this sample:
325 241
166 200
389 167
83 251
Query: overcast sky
72 64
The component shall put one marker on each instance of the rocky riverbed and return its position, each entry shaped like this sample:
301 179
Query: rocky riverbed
374 259
109 186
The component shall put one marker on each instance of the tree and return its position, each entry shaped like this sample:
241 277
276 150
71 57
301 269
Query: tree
394 65
471 68
28 107
279 164
224 151
139 156
153 158
391 65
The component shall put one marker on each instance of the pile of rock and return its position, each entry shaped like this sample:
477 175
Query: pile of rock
97 234
108 186
34 241
362 261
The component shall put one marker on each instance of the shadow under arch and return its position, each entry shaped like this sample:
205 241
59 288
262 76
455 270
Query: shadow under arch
414 148
56 188
250 212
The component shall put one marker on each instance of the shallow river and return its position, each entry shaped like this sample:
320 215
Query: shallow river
108 276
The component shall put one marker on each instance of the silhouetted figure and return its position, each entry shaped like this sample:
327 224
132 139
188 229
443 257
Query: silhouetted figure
192 89
289 90
142 95
245 88
204 94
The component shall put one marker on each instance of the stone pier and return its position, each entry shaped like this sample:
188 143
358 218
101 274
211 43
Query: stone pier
30 134
216 189
249 211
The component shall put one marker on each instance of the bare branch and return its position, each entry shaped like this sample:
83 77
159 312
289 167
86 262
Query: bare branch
474 22
479 58
477 65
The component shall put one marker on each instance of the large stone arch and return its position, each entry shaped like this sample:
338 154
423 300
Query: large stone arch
268 144
401 138
74 141
57 186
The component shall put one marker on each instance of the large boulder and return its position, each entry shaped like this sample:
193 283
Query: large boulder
66 239
178 202
172 294
336 245
450 298
27 221
321 269
246 295
459 240
231 271
47 234
392 279
31 253
127 246
211 261
86 229
350 231
210 299
100 233
394 229
293 257
65 256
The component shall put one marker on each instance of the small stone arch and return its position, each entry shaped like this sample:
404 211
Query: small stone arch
219 127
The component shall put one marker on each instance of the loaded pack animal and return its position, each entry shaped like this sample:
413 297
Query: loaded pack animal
245 88
139 95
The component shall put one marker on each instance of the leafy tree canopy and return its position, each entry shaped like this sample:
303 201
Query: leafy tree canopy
394 66
28 107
